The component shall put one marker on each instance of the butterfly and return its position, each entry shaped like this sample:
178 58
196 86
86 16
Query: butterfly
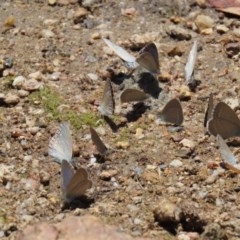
172 112
224 122
148 58
122 53
132 95
209 111
189 67
107 105
229 159
60 146
74 183
102 149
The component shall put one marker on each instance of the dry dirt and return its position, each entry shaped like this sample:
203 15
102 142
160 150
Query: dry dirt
134 187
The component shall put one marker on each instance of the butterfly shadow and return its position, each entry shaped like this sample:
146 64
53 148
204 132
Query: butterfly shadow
149 84
114 127
79 202
138 110
194 84
119 78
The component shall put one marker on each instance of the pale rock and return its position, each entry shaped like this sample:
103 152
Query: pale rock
236 32
33 130
79 15
123 144
11 99
46 33
18 81
31 85
52 2
55 76
108 174
23 93
204 22
139 133
176 163
184 93
36 75
188 143
222 28
96 36
179 33
92 76
50 22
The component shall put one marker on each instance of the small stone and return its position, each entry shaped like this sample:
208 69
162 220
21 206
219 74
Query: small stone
33 130
18 81
36 75
107 175
178 33
184 93
164 77
92 76
96 36
129 12
123 144
23 93
31 85
52 2
188 143
11 99
46 33
55 76
79 15
30 184
139 133
236 32
176 163
204 22
222 29
201 3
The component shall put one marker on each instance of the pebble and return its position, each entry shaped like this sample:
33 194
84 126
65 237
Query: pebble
236 32
222 29
33 130
36 75
107 175
18 81
123 144
23 93
92 76
204 22
188 143
30 184
176 163
184 93
79 15
11 99
139 133
52 2
55 76
46 33
178 33
96 36
233 103
31 85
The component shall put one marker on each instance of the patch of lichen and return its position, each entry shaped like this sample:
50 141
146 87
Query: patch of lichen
52 102
7 82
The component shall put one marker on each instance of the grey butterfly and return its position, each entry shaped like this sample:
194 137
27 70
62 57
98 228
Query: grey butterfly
148 58
172 112
224 122
189 68
209 111
122 53
60 146
102 149
133 95
74 183
229 159
107 105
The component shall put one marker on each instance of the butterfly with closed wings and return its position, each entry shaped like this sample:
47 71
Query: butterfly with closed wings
133 95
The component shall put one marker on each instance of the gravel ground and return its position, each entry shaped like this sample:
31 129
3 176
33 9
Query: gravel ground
158 183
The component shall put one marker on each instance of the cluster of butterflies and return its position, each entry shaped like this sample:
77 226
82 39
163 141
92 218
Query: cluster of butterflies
220 120
74 182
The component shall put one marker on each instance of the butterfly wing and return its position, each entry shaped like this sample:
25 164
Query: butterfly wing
132 95
189 68
60 146
209 110
122 53
172 112
224 122
108 104
102 149
78 184
148 58
226 153
67 174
